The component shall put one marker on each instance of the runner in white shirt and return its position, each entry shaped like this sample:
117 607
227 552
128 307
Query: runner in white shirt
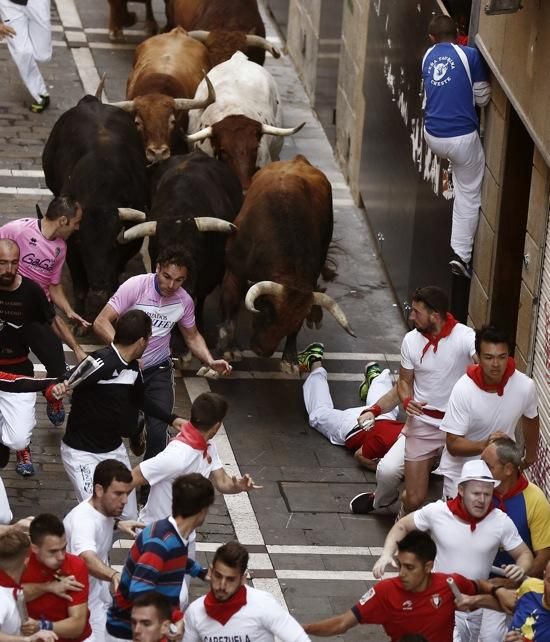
234 611
487 402
89 528
468 532
433 357
162 297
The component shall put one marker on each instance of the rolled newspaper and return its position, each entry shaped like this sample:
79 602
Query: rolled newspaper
454 588
496 570
21 605
83 371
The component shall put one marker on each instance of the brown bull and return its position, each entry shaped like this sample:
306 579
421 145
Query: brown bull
284 230
213 15
120 17
166 72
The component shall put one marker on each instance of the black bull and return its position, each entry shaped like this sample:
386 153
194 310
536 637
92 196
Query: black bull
95 155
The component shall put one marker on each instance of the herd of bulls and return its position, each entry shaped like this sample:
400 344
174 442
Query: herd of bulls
259 226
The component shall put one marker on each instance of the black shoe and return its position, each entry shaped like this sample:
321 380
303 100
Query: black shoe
39 106
4 456
460 267
362 504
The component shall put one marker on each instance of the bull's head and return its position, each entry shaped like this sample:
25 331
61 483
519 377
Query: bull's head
236 139
280 311
156 117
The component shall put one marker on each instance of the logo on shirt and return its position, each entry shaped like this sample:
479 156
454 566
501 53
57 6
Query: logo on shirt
32 241
368 595
439 69
42 264
436 600
407 605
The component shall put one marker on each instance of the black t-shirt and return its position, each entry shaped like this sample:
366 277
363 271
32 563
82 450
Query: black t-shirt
105 405
18 309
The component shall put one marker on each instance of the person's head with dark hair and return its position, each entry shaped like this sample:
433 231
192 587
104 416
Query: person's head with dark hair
442 28
207 413
62 218
415 556
14 550
192 496
151 617
429 309
493 347
48 541
133 330
228 570
112 485
174 267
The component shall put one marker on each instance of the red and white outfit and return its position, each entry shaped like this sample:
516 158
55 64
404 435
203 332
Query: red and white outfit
248 616
89 530
466 547
10 620
438 363
429 613
476 410
32 42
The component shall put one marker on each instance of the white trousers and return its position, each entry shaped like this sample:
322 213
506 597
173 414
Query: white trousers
98 619
494 625
466 154
336 424
17 418
32 42
467 626
5 511
389 475
80 466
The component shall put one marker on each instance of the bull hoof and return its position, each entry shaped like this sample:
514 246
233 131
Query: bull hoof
117 36
289 367
233 355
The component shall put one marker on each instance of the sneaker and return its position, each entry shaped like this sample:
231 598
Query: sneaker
41 105
24 465
4 455
55 411
372 370
460 268
362 504
313 352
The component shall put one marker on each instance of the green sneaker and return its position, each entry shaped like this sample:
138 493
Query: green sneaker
41 105
372 370
313 352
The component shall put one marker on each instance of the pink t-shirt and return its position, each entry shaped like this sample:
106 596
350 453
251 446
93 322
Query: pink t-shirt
41 260
140 293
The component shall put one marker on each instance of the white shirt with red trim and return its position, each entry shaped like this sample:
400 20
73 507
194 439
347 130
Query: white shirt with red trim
474 413
176 459
261 619
436 373
461 550
10 621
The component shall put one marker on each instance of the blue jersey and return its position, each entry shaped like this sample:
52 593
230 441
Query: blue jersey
531 618
449 72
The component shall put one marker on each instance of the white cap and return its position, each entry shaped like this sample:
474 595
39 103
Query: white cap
477 470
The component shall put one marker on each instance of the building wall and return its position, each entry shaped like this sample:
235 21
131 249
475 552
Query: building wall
304 19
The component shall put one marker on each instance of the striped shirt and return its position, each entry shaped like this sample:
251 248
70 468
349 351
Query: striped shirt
157 562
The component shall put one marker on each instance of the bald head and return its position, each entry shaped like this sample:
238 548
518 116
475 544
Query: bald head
7 245
9 263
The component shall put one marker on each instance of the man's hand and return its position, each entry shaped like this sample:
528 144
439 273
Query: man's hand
30 627
6 32
73 316
114 582
513 572
365 417
220 366
43 636
179 422
507 599
62 587
414 408
466 603
526 462
60 390
130 527
245 483
177 629
498 434
380 566
24 524
514 636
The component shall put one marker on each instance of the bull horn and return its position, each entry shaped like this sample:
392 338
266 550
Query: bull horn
200 135
261 288
201 36
262 43
137 232
197 103
281 131
100 87
212 224
130 214
125 105
330 305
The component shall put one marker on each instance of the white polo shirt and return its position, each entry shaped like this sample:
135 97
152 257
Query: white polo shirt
436 373
461 550
259 620
178 458
89 530
10 622
475 414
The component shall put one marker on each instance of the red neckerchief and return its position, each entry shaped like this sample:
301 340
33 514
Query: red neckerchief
476 375
224 611
516 489
192 437
446 330
457 508
7 582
